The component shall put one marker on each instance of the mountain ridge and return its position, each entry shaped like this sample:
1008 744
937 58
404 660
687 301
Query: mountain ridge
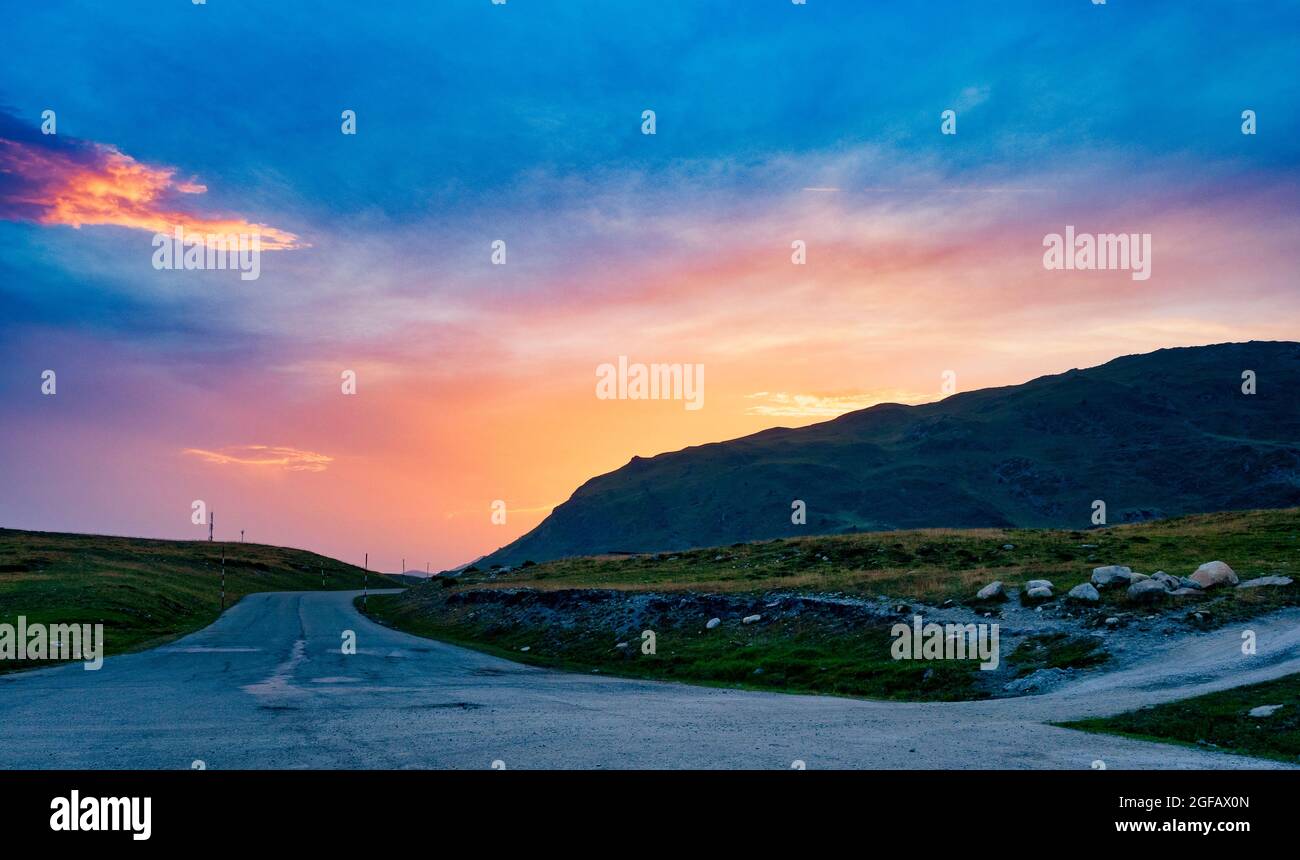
1150 434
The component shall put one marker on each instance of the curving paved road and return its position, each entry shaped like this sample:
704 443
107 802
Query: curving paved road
267 686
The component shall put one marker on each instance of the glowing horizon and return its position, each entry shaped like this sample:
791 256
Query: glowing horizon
476 382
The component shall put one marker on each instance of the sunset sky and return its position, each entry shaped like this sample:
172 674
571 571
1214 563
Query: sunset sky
523 122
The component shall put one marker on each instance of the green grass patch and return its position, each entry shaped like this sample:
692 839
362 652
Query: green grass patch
1057 651
934 565
1220 719
798 657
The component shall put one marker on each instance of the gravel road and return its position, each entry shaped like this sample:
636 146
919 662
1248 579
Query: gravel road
267 686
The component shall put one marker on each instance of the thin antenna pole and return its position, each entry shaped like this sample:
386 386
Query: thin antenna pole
223 579
211 518
365 594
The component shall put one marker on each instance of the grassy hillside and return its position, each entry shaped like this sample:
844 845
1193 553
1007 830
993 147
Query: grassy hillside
146 591
934 565
1153 436
827 603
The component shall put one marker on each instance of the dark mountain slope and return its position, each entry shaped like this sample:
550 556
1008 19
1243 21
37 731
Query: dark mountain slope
1154 435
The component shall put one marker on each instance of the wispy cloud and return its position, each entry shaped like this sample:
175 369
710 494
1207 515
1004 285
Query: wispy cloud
265 456
53 180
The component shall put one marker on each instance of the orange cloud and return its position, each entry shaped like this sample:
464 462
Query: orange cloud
275 456
71 182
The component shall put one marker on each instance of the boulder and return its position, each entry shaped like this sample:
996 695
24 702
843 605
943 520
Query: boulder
1187 582
1112 621
751 619
1137 577
1110 576
1084 593
1037 594
713 622
1169 582
1147 591
1039 583
1214 573
1264 710
992 591
1264 580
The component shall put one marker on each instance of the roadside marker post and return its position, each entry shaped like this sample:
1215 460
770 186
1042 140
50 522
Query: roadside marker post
365 594
223 579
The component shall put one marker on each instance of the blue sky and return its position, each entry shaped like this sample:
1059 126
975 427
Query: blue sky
477 122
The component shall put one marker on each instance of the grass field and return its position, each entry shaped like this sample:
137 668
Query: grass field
806 657
934 565
1221 720
820 654
146 592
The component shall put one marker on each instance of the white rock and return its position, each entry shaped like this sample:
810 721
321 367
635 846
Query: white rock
713 622
992 591
621 645
526 648
1039 583
1112 621
1264 710
1214 573
1111 575
1264 580
750 619
1084 593
1038 593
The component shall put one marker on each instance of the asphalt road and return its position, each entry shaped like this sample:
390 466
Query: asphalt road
267 686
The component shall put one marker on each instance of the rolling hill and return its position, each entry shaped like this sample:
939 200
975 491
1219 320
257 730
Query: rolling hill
1153 435
147 591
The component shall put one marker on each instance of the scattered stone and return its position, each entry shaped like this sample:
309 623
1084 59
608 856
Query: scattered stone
621 645
1112 621
1214 573
1111 576
713 622
1137 577
526 648
1169 582
1008 546
758 671
992 591
1039 583
750 619
1187 582
1084 593
1264 710
1187 592
1264 580
1147 591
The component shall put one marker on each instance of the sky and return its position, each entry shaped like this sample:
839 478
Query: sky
523 122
